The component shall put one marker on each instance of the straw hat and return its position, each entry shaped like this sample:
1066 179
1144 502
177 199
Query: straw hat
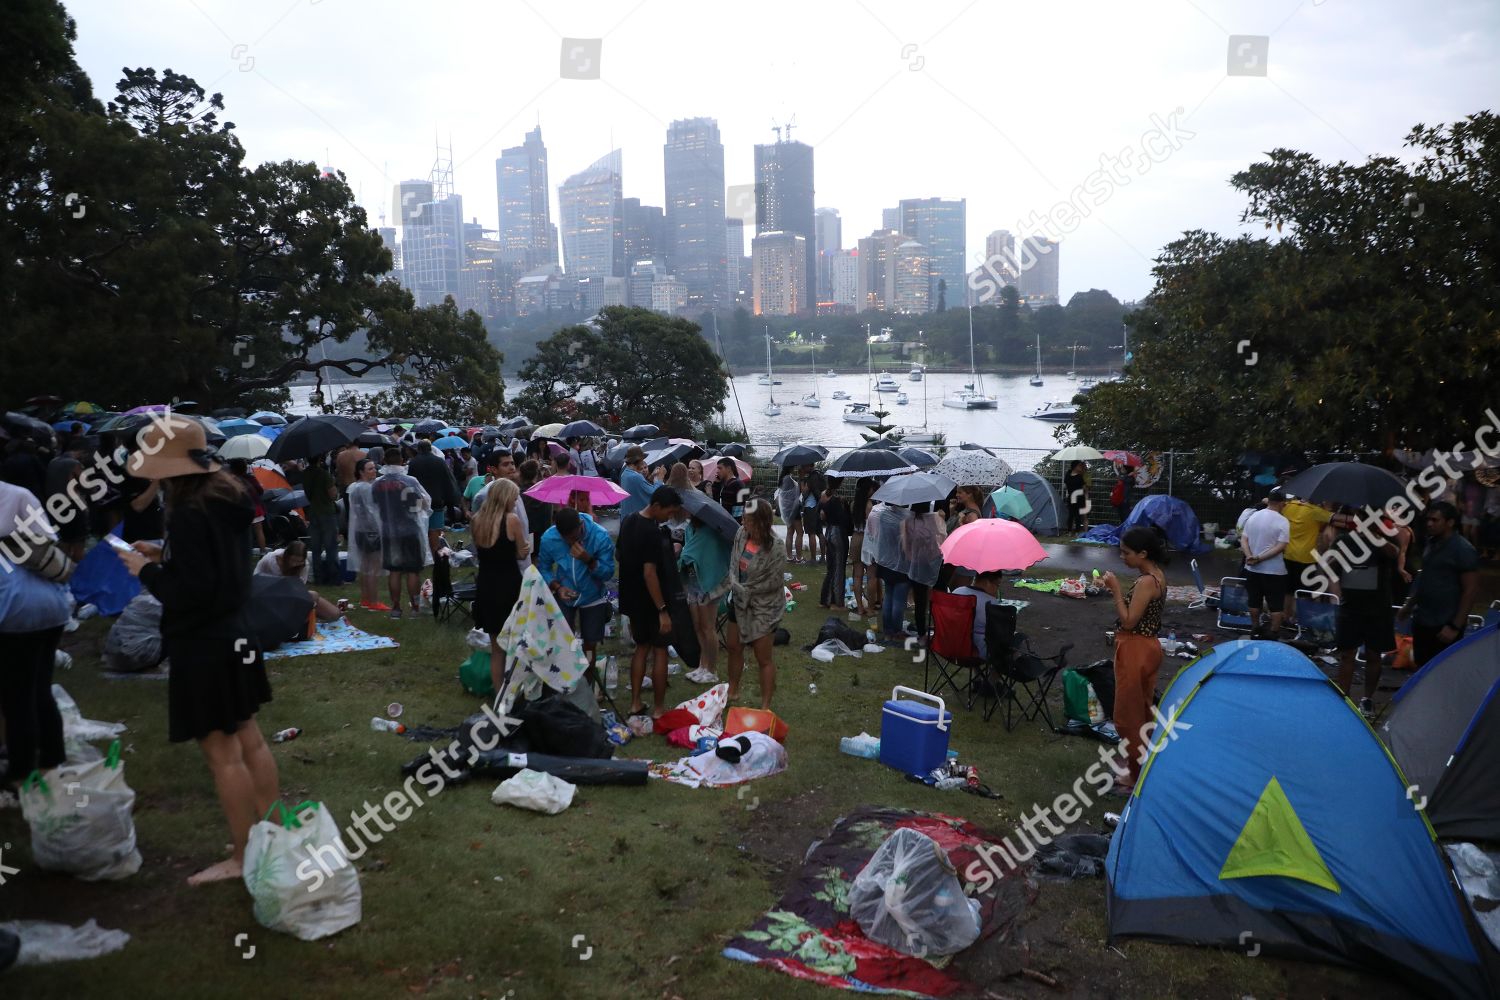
172 446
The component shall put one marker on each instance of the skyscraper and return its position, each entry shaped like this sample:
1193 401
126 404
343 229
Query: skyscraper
1037 283
784 203
693 158
876 288
432 249
526 233
593 233
645 232
779 263
940 226
845 280
890 218
830 241
734 257
912 279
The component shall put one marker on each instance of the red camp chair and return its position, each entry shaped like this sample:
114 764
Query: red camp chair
950 650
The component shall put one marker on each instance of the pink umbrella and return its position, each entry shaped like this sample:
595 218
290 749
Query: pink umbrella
992 544
1123 457
560 489
711 469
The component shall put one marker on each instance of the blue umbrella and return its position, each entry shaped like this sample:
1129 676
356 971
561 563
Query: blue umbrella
452 430
272 431
450 443
268 418
916 456
581 428
239 425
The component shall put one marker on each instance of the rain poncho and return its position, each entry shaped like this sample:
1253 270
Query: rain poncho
364 527
403 508
885 532
921 540
788 498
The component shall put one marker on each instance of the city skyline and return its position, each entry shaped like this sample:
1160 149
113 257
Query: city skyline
895 101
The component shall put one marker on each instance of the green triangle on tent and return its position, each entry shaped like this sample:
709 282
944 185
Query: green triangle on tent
1274 842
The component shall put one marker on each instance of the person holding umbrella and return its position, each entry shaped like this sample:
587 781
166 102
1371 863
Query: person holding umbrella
202 578
1076 486
577 559
1138 652
756 565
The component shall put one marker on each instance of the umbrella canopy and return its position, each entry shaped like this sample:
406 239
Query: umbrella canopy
971 446
581 429
65 425
82 408
1352 483
547 430
270 479
699 505
991 544
916 456
246 446
21 425
868 462
799 454
1010 501
320 435
237 426
511 423
1121 457
917 487
974 468
560 489
149 408
742 468
373 439
882 443
450 442
429 427
641 432
450 431
1077 453
734 450
271 431
268 418
673 453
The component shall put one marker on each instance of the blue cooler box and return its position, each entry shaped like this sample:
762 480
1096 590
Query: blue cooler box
914 735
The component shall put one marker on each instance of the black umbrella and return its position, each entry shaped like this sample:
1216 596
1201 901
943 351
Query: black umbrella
734 450
881 444
279 501
868 462
1351 483
799 454
971 446
614 459
315 436
581 429
277 610
674 453
640 432
372 439
919 487
698 504
916 456
429 427
22 425
511 423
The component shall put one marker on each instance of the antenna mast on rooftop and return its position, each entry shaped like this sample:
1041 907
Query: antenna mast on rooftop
442 171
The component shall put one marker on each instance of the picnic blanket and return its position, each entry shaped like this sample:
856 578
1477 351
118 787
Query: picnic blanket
1187 595
810 935
333 637
1045 586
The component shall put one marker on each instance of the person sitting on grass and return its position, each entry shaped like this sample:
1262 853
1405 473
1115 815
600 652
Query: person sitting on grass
756 565
292 561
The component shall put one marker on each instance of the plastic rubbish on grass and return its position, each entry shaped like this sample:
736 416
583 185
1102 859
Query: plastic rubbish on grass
299 873
78 729
534 790
81 818
43 942
134 640
908 897
380 725
824 652
477 638
864 745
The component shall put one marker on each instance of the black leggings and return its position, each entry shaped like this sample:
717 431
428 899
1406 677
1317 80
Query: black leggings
33 726
836 550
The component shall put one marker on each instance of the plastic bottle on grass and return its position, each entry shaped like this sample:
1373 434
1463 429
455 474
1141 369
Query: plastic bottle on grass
864 745
380 725
611 673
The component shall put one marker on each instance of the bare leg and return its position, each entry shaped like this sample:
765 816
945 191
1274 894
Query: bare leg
708 640
1346 672
658 680
262 765
638 674
326 610
497 662
237 798
762 648
413 584
736 658
393 583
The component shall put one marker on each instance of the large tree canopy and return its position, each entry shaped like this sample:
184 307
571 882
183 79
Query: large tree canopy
146 261
1369 322
629 366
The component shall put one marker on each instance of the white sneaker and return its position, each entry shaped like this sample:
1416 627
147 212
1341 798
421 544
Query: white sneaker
646 683
703 675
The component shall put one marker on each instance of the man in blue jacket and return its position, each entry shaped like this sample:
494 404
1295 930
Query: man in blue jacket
635 481
577 559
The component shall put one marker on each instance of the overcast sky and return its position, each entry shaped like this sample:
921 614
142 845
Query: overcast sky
1009 105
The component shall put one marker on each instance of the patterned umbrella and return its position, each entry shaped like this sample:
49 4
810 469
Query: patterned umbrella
974 468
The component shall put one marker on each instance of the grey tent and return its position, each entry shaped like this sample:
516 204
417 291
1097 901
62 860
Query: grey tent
1444 731
1043 499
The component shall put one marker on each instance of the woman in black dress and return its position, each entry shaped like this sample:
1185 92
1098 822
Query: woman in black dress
500 541
1075 485
202 578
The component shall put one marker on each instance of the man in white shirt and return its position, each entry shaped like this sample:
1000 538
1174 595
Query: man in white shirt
983 590
582 457
1263 539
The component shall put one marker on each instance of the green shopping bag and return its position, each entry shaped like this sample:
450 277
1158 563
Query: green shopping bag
1075 697
474 675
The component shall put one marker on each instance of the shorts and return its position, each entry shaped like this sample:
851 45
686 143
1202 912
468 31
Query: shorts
588 623
1294 575
1370 624
645 630
437 520
402 554
1267 587
812 519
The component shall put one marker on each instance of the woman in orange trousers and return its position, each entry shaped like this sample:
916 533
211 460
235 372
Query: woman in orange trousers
1138 653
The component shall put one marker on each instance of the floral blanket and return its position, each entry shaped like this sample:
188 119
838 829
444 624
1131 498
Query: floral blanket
810 935
333 637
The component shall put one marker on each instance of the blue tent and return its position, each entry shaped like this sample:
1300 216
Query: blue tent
1270 820
1172 516
1043 517
102 580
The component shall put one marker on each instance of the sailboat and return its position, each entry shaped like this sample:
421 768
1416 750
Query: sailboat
860 413
1073 372
1036 379
924 436
811 399
771 410
971 396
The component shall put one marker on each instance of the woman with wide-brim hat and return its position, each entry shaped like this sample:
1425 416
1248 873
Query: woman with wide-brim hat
202 578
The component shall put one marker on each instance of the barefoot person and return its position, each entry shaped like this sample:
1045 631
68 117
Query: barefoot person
648 577
756 564
1138 652
202 578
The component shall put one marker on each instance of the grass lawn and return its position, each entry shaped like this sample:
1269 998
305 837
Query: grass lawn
632 892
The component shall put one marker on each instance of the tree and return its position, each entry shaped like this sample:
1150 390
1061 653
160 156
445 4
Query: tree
1369 324
630 366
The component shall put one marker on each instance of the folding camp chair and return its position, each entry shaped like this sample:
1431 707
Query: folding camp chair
1317 618
1023 678
950 648
448 597
1492 616
1234 605
1203 597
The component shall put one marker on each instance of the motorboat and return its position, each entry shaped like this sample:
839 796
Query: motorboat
885 383
901 399
840 394
916 373
859 413
830 373
1056 412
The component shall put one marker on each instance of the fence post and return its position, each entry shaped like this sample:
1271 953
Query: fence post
1170 471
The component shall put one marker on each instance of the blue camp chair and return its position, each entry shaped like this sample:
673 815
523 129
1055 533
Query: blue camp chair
1234 605
1317 618
1492 616
1203 600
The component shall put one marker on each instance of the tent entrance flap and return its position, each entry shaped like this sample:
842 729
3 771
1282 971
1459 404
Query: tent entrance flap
1274 842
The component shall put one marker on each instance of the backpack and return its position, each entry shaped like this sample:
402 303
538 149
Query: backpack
1117 495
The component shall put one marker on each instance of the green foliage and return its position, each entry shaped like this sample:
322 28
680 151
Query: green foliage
1370 323
632 366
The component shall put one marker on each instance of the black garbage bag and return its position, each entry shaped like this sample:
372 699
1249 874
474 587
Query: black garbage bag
553 725
10 949
832 628
498 763
1076 855
134 640
781 637
684 636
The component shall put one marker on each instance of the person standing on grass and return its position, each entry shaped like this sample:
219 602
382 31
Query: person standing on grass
1445 588
501 543
813 483
727 488
404 508
789 502
365 536
437 481
837 529
695 476
1076 486
1138 652
1365 617
1263 538
322 523
859 511
1305 524
922 540
704 567
635 480
201 576
759 599
648 578
577 559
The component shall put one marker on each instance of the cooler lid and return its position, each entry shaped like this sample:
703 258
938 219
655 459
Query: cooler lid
916 711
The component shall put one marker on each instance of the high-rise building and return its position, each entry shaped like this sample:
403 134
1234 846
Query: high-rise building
844 268
912 279
485 281
940 226
432 250
693 158
876 287
779 264
408 198
734 257
890 218
638 288
526 231
387 236
1037 282
830 240
784 203
645 232
590 204
668 295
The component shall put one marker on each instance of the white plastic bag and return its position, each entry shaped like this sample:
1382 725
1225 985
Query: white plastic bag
535 790
75 726
825 651
43 941
299 873
477 639
81 819
908 897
